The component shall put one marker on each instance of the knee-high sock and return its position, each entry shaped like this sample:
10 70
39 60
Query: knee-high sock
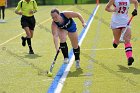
3 12
114 41
64 49
128 50
29 43
0 13
77 53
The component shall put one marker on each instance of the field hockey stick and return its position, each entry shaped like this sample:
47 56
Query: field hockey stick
122 35
52 65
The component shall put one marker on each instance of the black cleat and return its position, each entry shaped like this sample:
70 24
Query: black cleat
31 52
23 41
115 45
130 61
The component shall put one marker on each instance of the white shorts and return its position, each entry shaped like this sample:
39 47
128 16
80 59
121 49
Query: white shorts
117 25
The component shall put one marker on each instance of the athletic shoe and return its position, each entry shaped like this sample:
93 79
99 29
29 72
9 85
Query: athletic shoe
66 60
77 64
130 61
31 52
3 21
115 45
23 41
0 21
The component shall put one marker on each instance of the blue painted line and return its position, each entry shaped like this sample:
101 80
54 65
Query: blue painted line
82 32
59 74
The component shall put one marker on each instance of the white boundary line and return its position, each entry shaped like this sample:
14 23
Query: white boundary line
63 78
21 33
103 49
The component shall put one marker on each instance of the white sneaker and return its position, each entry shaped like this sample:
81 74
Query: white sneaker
77 64
66 60
3 21
0 20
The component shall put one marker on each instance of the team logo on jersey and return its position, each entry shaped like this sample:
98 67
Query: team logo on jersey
66 25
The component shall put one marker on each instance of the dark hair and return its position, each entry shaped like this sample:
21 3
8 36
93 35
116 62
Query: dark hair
55 10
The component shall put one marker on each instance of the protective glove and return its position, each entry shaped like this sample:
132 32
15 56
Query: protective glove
134 13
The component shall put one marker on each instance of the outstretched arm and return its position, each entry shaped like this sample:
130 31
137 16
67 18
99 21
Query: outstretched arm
55 35
135 2
108 6
70 14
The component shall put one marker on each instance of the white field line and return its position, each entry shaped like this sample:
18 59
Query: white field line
103 49
63 78
21 33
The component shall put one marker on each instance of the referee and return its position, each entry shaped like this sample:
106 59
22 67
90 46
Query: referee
27 8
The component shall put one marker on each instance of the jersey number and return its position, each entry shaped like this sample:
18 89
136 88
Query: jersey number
122 10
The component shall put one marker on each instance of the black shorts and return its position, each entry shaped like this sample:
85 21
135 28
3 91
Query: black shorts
2 7
28 22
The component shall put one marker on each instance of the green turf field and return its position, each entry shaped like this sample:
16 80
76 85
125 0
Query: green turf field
103 69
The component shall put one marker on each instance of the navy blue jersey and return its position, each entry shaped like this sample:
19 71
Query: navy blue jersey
68 24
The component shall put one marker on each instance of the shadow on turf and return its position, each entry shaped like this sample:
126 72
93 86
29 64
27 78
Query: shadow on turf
132 70
40 71
32 56
110 70
76 73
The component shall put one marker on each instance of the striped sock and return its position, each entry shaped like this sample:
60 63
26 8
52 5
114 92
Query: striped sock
128 50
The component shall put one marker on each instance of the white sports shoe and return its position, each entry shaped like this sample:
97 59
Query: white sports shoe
3 21
77 64
0 20
66 60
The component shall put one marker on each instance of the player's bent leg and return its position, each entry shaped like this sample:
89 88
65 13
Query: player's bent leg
23 40
74 39
128 52
127 35
29 34
64 49
117 34
30 46
115 45
76 49
128 47
77 57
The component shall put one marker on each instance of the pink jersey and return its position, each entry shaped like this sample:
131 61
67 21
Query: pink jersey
120 17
